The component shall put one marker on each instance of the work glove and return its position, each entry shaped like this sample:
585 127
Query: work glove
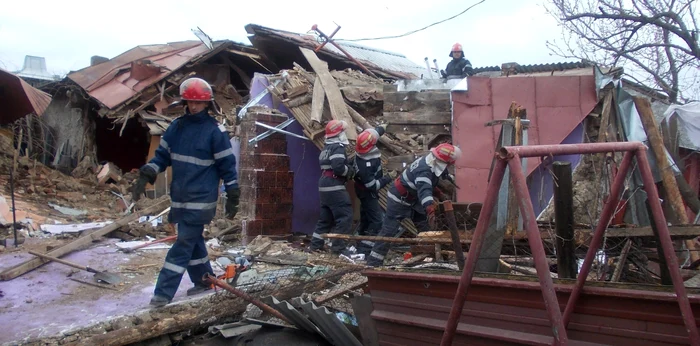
430 210
351 172
392 174
439 194
233 196
381 129
444 75
384 181
146 175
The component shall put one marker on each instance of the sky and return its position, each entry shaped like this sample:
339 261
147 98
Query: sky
68 33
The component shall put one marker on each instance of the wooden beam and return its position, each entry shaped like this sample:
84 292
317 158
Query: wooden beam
564 216
83 240
340 290
417 118
318 100
245 78
336 101
667 177
408 101
423 129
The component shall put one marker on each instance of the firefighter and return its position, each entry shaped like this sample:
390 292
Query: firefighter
336 207
459 67
199 151
411 196
368 181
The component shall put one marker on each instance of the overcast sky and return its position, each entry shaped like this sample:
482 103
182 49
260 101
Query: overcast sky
67 33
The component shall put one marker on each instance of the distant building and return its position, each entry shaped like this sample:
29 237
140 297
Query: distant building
35 73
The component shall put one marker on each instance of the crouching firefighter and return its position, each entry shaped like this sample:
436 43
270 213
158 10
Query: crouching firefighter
336 207
199 151
369 179
411 196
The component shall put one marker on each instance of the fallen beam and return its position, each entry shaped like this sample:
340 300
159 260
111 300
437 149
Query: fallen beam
83 240
340 290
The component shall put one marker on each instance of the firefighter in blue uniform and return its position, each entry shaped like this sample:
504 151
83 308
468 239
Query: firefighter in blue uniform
200 153
411 196
369 179
336 207
459 67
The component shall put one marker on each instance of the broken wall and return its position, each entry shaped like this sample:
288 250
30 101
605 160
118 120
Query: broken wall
303 156
71 131
265 179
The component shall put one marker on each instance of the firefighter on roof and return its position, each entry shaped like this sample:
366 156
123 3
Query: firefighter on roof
459 67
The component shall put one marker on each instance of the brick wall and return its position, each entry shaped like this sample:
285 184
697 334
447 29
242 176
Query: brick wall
265 179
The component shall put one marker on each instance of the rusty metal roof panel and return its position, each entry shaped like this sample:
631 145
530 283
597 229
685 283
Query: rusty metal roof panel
18 98
111 82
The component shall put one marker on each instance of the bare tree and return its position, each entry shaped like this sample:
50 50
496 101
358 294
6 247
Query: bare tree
655 40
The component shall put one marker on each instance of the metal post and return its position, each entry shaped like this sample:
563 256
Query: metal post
667 244
12 196
454 233
564 220
474 250
540 257
603 221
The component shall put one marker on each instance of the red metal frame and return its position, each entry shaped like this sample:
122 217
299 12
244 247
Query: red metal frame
511 156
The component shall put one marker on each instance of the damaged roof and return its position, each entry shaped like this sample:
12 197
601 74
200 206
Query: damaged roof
537 68
19 98
124 77
284 44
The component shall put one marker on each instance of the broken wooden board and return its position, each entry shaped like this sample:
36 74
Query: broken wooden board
340 290
318 100
418 118
413 129
335 99
409 101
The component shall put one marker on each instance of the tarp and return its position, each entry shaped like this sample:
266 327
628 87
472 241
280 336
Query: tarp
689 119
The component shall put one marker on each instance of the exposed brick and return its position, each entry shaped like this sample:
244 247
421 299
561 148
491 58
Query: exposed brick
269 118
271 146
284 179
281 195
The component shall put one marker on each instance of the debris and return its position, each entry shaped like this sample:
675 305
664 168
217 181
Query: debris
252 311
68 211
93 284
234 329
259 245
130 246
73 228
109 172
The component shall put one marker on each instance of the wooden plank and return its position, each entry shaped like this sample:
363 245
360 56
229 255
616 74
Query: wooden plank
336 101
317 101
413 129
362 307
399 163
340 290
408 101
83 240
417 118
605 118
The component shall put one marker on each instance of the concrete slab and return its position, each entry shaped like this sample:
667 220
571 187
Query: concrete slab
46 302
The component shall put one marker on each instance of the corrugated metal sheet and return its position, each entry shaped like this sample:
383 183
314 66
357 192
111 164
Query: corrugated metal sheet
384 59
541 68
378 61
412 309
111 82
18 98
334 330
555 106
293 315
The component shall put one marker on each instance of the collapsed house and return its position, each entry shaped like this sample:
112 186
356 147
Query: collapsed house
276 123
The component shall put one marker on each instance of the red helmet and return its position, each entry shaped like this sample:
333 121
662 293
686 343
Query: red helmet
456 48
447 153
366 141
196 89
335 127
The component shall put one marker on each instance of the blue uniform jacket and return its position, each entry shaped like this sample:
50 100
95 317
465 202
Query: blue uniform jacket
418 179
200 153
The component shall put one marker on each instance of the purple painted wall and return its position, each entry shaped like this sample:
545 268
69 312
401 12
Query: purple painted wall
303 161
540 180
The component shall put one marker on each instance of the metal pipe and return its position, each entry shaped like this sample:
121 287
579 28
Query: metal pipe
427 66
568 149
12 194
603 221
208 278
474 251
667 244
329 40
540 257
315 28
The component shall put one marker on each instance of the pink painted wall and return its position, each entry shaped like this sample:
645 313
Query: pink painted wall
555 106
